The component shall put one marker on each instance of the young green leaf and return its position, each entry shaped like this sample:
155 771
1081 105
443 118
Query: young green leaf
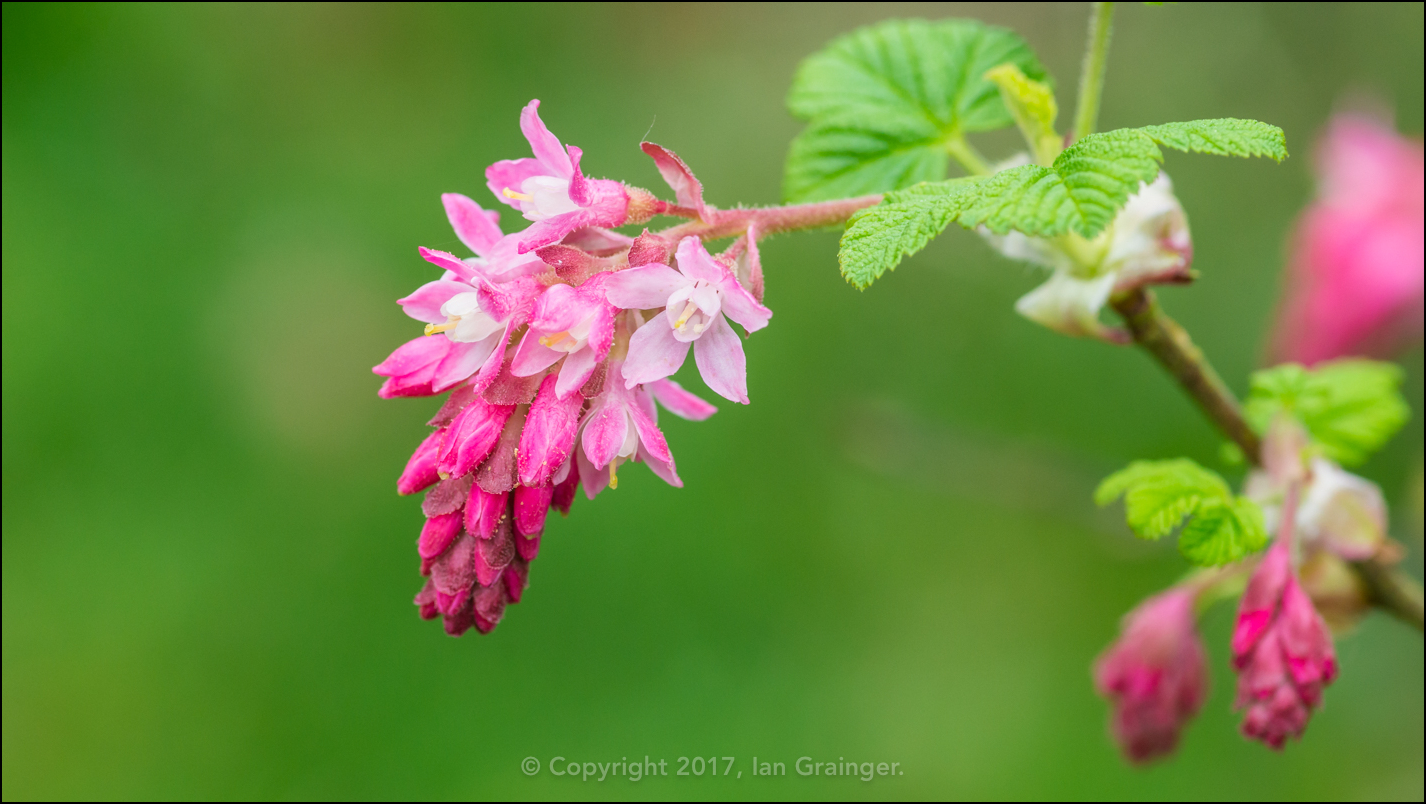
1081 192
1223 533
884 102
1351 407
1032 104
1160 495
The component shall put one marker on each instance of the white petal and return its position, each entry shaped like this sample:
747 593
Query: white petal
1069 305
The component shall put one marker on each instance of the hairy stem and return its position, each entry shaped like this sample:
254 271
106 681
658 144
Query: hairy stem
1389 587
1091 78
773 220
966 154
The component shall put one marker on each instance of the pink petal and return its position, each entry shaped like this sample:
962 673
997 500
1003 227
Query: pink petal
719 355
532 504
451 263
577 368
680 402
742 306
510 174
412 356
687 189
604 433
477 228
552 230
545 145
550 431
463 360
532 357
516 576
664 469
425 304
581 191
649 434
491 368
644 287
559 309
601 328
411 367
420 471
593 479
654 353
696 263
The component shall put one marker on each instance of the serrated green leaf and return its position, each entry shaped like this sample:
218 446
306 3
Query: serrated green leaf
1350 407
878 237
1226 136
1159 496
1081 192
1221 533
883 102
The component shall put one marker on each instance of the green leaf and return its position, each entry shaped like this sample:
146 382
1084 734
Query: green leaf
1160 495
1080 193
1032 104
878 237
1350 407
1223 533
883 102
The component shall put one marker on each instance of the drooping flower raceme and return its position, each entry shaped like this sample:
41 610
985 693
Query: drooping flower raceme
1355 278
531 345
1148 243
1155 674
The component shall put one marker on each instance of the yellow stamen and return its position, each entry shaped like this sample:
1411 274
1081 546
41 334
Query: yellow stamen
551 340
432 329
509 193
686 314
613 478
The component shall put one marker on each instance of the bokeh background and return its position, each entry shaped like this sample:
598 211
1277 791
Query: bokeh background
891 555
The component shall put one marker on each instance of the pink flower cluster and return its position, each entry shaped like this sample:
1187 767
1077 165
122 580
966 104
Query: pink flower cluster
555 343
1154 674
1355 278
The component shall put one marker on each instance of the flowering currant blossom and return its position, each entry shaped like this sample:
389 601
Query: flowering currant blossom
1355 277
1155 674
622 425
530 347
475 331
551 190
575 325
695 298
1148 243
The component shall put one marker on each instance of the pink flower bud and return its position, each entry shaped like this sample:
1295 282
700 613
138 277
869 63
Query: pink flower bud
1282 651
420 471
1154 675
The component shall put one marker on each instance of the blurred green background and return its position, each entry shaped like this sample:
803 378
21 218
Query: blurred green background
891 555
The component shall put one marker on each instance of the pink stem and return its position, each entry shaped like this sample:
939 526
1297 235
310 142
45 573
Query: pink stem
772 220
